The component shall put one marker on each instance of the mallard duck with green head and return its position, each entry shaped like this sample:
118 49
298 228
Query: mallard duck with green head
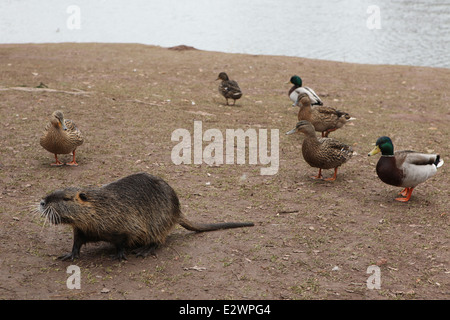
229 88
61 136
405 168
298 89
322 153
324 119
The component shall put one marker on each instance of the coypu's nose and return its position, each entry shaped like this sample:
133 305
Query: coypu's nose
42 203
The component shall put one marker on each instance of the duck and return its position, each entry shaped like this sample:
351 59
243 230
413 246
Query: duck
298 89
61 136
322 153
324 119
229 88
404 168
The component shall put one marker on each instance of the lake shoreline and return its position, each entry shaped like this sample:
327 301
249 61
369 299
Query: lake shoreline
188 47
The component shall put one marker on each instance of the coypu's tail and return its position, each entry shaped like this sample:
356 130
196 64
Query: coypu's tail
201 227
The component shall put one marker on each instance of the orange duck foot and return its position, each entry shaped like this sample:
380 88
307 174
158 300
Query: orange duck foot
319 175
73 163
57 163
407 193
334 175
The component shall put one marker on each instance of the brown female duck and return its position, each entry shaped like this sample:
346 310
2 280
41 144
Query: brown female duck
324 119
229 88
323 153
61 136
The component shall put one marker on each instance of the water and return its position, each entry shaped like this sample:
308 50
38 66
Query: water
409 33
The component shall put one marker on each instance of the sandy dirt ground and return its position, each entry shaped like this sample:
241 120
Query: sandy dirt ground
311 240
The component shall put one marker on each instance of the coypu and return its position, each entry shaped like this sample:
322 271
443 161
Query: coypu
137 211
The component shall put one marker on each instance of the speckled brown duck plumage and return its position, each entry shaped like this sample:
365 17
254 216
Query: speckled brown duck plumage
229 88
61 136
404 168
322 153
324 119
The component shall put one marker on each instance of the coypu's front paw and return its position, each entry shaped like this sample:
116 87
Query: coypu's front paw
72 256
119 256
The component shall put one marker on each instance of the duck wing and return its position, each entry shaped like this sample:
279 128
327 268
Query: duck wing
230 89
332 112
340 147
417 167
410 157
337 151
315 100
74 134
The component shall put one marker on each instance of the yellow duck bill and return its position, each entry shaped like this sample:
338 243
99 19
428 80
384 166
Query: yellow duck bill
374 151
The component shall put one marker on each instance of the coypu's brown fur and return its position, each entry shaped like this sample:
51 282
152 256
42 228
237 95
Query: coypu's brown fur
137 211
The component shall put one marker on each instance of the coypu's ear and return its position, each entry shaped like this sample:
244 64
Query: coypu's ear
82 196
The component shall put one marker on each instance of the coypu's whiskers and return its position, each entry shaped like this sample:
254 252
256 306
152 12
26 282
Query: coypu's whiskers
45 219
58 217
31 208
55 218
34 210
50 214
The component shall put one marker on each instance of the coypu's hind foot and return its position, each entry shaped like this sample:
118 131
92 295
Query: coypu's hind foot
147 250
